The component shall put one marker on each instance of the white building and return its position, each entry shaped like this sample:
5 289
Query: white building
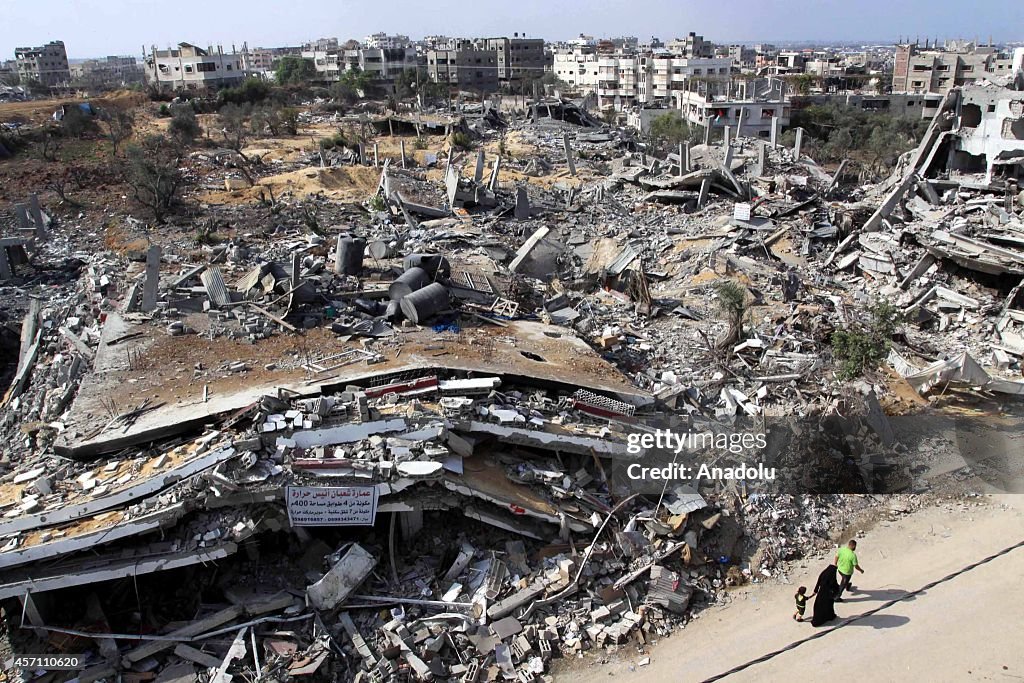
718 112
190 67
621 80
382 41
379 63
990 123
577 68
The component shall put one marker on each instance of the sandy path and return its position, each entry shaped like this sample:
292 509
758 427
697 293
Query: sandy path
968 628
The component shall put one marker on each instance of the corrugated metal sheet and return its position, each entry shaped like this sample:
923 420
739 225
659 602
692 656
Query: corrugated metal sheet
215 287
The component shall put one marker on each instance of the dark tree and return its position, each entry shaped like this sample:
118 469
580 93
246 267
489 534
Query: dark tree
154 175
293 70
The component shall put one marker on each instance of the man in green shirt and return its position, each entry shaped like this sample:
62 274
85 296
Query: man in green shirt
846 562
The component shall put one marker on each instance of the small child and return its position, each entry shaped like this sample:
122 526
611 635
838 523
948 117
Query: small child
801 603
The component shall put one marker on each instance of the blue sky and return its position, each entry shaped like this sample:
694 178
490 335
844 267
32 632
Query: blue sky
92 28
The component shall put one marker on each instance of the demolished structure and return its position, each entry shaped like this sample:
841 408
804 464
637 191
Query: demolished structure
386 450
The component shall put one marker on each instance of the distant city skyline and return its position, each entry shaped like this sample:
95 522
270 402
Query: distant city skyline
96 28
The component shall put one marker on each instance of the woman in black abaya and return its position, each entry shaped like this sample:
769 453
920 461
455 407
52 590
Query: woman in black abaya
825 591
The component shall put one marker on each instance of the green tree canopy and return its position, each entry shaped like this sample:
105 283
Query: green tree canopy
294 70
669 129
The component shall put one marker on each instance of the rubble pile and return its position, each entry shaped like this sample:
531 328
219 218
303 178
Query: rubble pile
386 440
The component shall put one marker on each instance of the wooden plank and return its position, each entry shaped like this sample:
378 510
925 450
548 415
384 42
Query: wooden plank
279 321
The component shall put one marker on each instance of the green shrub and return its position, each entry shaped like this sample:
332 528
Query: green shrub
867 343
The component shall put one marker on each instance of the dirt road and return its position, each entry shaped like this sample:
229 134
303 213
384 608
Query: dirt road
968 628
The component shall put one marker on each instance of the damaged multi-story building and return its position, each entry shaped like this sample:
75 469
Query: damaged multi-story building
46 65
382 64
110 72
464 65
988 136
934 69
622 79
189 67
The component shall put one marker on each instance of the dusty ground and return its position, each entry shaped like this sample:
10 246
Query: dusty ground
968 628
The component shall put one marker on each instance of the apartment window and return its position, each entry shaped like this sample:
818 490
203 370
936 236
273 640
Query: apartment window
229 67
991 108
696 72
188 68
910 103
206 66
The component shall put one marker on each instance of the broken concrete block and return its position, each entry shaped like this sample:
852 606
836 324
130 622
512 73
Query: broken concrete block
343 578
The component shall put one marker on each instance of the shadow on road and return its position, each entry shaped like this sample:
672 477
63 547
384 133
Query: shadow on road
880 621
883 595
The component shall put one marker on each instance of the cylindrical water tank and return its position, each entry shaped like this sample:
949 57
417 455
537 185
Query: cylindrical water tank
425 303
432 263
408 282
379 249
348 259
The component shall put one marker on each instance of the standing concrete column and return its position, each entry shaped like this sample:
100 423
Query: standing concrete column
762 157
739 122
296 269
362 154
402 146
37 215
492 185
682 163
478 174
705 188
151 287
686 157
726 139
6 273
568 155
776 127
522 210
796 145
707 134
24 225
376 159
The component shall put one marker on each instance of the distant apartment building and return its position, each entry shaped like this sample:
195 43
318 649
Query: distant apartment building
382 41
46 65
464 66
577 67
381 64
741 55
765 55
263 60
108 72
904 105
189 67
622 80
518 59
825 67
692 46
752 116
670 73
938 70
8 71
